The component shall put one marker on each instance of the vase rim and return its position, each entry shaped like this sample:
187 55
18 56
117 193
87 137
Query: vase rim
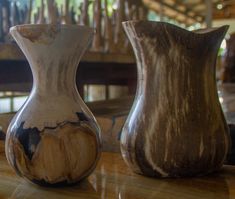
57 26
198 31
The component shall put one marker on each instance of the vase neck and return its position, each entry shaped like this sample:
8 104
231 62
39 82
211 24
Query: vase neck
55 76
53 53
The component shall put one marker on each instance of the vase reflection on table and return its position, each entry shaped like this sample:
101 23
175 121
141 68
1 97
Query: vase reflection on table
54 138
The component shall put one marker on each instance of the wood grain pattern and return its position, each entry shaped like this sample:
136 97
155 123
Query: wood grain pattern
51 10
52 155
97 41
176 126
41 18
84 13
108 35
54 139
113 179
119 37
29 13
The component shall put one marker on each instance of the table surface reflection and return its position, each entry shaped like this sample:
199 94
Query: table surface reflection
113 179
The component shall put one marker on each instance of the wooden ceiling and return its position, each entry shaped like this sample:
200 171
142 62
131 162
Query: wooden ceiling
192 11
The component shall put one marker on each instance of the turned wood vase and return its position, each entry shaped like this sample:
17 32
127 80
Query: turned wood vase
53 139
176 126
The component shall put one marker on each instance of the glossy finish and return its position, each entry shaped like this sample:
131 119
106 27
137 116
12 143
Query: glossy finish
176 126
112 179
54 138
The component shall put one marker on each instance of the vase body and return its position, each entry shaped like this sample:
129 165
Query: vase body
54 138
176 126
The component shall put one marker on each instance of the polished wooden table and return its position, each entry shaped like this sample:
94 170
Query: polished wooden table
113 179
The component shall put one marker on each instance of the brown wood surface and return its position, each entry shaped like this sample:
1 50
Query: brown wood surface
113 179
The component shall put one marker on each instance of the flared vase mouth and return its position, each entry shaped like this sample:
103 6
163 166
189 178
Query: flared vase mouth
58 27
49 33
197 32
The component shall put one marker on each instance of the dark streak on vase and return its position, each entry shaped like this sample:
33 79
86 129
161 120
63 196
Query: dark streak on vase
29 139
82 117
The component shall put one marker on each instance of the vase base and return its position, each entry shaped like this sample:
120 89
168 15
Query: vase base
64 183
61 156
184 174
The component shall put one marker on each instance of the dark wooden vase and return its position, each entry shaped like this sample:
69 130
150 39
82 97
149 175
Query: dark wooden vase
176 126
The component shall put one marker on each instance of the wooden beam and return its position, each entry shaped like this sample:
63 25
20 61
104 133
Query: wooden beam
165 4
154 3
228 10
188 10
224 14
155 6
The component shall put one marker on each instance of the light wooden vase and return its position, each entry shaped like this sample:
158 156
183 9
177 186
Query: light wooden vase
54 138
176 126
